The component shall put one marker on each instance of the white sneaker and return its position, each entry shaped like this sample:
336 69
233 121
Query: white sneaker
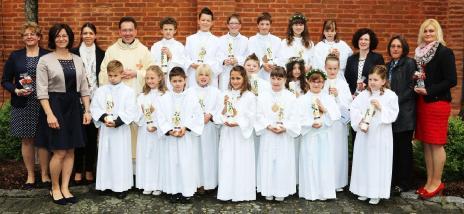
269 198
279 198
362 198
156 192
146 192
374 201
339 190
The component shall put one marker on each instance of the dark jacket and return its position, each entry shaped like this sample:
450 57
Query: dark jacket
99 55
351 71
14 67
440 75
402 83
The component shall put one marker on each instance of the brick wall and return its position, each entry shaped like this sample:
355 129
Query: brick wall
384 17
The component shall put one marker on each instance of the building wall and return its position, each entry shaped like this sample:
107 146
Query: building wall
386 18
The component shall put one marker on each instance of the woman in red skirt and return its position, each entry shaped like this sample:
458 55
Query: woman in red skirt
435 78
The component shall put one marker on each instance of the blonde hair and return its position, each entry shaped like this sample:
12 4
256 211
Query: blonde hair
114 66
162 83
33 26
380 70
435 24
204 69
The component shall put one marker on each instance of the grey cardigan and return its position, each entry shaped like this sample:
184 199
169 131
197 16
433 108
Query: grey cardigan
50 76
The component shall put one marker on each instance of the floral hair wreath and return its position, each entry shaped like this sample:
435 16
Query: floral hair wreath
295 59
316 71
298 16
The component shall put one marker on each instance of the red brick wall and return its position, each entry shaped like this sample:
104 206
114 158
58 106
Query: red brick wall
384 17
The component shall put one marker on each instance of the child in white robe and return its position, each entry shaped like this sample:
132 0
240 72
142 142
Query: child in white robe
206 148
277 124
232 49
168 52
180 120
149 139
330 43
113 108
298 43
265 45
237 179
337 87
318 111
372 113
201 48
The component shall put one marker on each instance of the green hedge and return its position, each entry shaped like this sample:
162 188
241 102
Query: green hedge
10 147
454 166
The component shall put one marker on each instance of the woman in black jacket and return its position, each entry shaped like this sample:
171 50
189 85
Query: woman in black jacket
437 69
359 64
19 79
401 69
92 56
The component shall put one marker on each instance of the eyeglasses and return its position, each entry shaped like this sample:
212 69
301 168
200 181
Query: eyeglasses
61 36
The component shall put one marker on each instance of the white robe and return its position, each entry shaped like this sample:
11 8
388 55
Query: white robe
193 45
321 50
114 162
178 56
339 131
263 88
294 50
179 172
276 174
258 44
373 151
206 145
149 146
240 51
316 168
237 180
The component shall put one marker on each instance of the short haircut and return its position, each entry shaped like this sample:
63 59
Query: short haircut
263 17
55 30
279 71
127 19
372 37
177 71
168 21
204 69
206 11
404 45
330 25
435 24
252 57
236 16
114 66
34 27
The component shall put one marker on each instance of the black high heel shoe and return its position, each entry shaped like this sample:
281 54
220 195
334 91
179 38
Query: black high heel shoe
61 201
71 200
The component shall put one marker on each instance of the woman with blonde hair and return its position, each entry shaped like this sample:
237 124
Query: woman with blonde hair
435 78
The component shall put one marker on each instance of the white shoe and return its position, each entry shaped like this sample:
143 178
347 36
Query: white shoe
339 190
279 198
146 192
362 198
156 192
374 201
269 198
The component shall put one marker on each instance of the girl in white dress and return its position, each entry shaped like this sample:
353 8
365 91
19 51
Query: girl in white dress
318 111
237 180
277 124
372 113
337 87
331 44
298 42
206 148
180 121
149 138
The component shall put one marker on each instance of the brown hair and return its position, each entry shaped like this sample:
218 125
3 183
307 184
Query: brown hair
161 85
313 77
252 57
114 66
298 18
168 21
380 70
332 57
330 25
279 71
264 16
246 84
290 64
236 16
33 26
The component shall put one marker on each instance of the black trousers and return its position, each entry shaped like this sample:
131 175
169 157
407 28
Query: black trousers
402 159
85 157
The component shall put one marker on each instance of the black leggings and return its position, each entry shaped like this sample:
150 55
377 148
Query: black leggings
85 157
402 159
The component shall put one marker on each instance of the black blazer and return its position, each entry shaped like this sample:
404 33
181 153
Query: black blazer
99 55
14 66
440 75
402 83
351 71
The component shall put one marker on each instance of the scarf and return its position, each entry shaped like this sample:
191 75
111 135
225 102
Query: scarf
90 65
424 53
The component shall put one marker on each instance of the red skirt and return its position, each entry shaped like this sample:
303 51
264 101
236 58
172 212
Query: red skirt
432 121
